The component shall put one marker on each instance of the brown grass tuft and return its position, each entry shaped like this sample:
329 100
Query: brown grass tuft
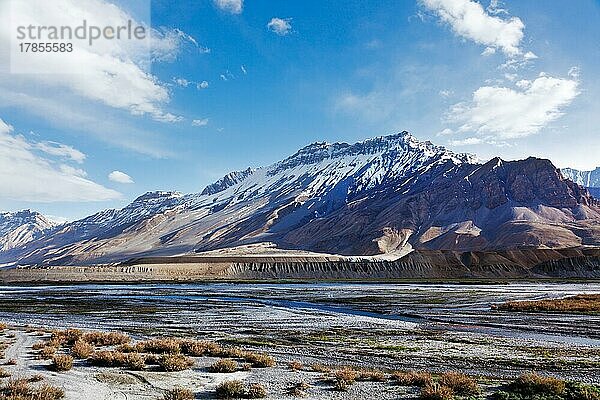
47 353
532 384
175 362
179 394
4 373
230 390
320 368
106 338
460 384
82 349
412 378
256 391
581 303
435 391
258 360
225 365
296 366
159 346
371 375
61 363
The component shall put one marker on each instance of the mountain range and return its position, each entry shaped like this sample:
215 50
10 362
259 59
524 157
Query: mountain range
383 196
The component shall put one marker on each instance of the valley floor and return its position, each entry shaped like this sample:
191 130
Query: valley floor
436 328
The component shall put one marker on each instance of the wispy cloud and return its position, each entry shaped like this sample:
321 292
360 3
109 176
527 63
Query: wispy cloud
281 26
200 122
30 176
120 177
231 6
202 85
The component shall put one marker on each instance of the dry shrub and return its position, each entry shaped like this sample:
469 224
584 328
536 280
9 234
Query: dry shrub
126 348
4 373
371 375
530 385
460 384
12 361
412 378
61 363
47 352
159 346
179 394
225 365
299 389
82 349
230 390
19 389
258 360
246 366
320 368
35 378
256 391
344 377
3 326
198 348
106 338
39 345
66 337
296 366
581 303
175 362
132 361
435 391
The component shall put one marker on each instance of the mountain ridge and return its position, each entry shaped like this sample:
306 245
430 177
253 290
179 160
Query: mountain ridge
384 195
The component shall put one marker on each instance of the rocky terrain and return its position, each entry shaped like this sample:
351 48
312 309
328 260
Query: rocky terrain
384 196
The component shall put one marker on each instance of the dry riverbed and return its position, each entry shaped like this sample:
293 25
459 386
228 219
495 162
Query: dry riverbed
335 341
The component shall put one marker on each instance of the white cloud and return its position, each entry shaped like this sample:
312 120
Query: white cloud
445 93
466 142
488 51
28 176
505 113
281 26
231 6
120 177
111 72
200 122
181 82
202 85
445 132
243 69
523 84
61 150
468 19
223 77
511 77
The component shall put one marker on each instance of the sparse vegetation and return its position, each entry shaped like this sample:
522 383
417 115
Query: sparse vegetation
256 391
3 326
258 360
61 363
19 389
82 349
4 373
47 352
460 384
582 303
371 375
11 361
320 368
236 390
435 391
299 389
106 338
344 377
412 378
179 394
296 366
159 346
132 361
230 390
533 387
35 378
224 365
175 362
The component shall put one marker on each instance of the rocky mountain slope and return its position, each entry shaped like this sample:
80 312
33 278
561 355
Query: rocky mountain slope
19 228
382 196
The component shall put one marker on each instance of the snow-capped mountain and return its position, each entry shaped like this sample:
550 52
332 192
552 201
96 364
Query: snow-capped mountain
382 195
20 228
590 179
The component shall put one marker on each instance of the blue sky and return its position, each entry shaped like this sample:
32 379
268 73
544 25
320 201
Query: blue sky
512 78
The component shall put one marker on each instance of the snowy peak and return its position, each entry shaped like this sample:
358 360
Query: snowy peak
232 178
589 179
19 228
